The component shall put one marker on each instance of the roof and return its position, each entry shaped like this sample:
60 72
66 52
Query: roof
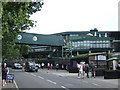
113 58
39 39
84 32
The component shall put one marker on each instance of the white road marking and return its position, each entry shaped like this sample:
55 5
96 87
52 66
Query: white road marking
16 85
33 74
40 77
64 87
51 81
95 84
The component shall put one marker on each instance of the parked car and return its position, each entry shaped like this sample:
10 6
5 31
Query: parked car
37 65
30 66
17 66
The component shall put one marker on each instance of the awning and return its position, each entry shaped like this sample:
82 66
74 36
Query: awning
114 58
89 54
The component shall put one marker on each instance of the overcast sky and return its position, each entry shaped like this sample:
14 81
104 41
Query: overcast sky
76 15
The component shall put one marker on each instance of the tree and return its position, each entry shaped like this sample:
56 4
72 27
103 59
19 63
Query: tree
15 19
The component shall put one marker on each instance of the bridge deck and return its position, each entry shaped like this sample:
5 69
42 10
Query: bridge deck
39 39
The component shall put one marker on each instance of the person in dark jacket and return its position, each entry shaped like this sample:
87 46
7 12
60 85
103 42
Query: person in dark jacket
92 66
87 70
57 66
5 71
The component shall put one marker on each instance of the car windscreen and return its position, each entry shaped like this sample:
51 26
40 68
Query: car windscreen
17 64
32 64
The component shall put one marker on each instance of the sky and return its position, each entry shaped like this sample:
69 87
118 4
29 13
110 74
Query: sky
76 15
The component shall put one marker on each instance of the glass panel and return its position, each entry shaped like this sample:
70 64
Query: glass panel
104 45
100 45
107 41
100 41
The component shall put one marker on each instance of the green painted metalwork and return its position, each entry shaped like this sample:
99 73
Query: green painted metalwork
93 39
39 39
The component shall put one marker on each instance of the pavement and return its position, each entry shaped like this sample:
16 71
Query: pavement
7 85
64 73
59 72
0 79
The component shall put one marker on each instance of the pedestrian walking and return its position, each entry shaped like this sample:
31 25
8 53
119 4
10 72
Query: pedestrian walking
80 70
42 65
83 66
48 65
57 66
23 66
51 66
39 65
78 66
5 71
62 66
87 70
92 66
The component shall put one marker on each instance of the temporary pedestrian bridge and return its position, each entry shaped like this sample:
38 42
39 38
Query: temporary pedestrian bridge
39 39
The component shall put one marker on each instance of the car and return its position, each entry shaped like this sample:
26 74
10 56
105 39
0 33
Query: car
37 65
17 66
30 66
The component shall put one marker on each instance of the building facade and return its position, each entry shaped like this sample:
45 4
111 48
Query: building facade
66 45
93 41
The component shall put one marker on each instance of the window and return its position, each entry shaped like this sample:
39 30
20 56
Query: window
97 41
97 45
104 41
104 45
107 41
93 45
84 41
93 42
100 45
100 41
88 41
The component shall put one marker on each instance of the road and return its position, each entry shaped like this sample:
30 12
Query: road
42 79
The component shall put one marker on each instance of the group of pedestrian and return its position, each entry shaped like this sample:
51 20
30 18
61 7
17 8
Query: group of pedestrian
50 66
85 68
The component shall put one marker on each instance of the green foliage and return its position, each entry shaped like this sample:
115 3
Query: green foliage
15 19
24 49
10 51
0 20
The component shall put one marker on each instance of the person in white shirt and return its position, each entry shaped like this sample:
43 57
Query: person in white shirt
42 66
80 70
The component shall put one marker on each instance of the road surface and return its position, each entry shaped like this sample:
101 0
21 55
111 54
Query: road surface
42 79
